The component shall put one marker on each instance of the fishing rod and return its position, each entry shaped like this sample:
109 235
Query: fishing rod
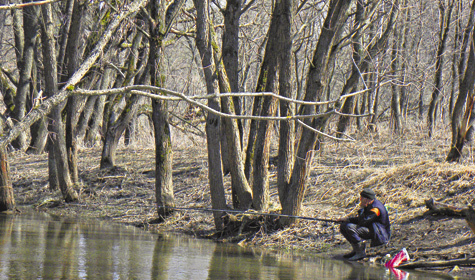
250 213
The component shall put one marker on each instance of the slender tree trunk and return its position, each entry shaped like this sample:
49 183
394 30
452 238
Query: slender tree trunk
362 58
58 163
316 79
30 25
215 171
457 43
17 16
74 55
395 98
232 15
63 41
286 128
90 107
352 83
163 143
39 130
463 118
61 157
268 76
444 18
115 121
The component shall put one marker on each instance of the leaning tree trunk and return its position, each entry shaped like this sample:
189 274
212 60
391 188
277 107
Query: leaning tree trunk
115 131
240 184
215 171
232 15
317 77
352 83
116 125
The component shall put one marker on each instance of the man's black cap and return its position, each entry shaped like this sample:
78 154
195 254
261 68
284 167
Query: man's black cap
368 193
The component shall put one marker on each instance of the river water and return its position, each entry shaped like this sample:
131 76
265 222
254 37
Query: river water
38 246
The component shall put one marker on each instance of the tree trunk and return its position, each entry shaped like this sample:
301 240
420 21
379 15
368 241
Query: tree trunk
230 44
163 143
316 79
58 160
361 63
39 130
286 128
61 157
240 184
39 133
457 42
395 98
115 121
215 171
30 25
278 29
444 25
7 200
90 107
93 135
73 61
463 117
352 83
63 41
163 157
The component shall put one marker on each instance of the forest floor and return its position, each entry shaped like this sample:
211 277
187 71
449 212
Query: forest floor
404 171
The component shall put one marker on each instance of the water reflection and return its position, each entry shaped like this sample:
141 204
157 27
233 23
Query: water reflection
36 246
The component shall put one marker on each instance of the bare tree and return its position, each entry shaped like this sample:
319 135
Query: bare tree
444 22
316 78
30 26
215 171
463 118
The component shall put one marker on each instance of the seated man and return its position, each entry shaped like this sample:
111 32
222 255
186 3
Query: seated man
372 223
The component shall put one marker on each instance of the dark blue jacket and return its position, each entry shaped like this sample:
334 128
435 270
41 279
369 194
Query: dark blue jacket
379 226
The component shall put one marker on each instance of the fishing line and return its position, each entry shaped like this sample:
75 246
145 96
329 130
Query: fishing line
249 213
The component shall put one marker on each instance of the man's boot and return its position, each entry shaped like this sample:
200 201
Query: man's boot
360 249
352 253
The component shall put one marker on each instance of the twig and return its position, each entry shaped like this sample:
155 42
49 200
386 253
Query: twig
411 265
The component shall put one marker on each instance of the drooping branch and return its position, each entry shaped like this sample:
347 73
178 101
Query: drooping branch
144 90
165 94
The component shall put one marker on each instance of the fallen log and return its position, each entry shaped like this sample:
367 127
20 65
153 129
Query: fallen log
448 210
448 263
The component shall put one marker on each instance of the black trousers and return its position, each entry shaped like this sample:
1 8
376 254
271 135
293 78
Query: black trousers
355 233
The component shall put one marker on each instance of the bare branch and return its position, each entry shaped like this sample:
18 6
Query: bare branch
324 134
23 5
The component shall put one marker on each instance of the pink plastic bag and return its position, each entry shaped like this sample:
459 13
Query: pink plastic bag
399 274
400 257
